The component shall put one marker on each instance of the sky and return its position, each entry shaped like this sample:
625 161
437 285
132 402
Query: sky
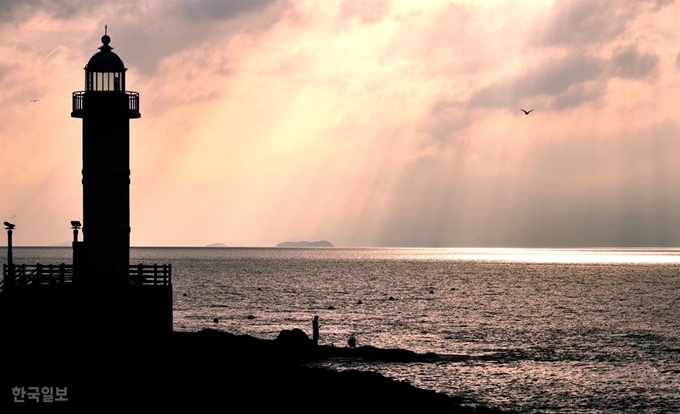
360 122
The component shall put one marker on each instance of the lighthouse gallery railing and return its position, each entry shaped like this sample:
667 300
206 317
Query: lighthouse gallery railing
80 104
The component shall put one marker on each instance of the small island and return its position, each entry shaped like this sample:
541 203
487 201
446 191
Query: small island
216 245
320 243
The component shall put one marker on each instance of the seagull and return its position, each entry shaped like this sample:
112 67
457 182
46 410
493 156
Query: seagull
526 112
35 100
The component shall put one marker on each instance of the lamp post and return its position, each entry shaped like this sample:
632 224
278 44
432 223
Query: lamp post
75 225
9 280
78 254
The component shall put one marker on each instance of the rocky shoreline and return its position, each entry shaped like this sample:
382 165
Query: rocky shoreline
217 370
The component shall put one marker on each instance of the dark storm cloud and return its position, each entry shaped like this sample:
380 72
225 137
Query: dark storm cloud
629 63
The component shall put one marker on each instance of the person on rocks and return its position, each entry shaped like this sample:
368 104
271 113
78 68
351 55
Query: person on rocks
315 330
352 341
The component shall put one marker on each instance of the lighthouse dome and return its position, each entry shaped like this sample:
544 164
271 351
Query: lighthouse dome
105 60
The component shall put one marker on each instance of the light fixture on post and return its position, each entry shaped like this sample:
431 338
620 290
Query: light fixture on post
75 225
10 267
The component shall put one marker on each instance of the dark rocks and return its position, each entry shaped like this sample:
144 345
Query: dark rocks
212 369
390 298
293 337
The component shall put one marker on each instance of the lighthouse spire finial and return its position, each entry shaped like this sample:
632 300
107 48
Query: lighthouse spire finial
105 40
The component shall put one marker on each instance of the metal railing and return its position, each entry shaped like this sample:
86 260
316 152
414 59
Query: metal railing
39 274
79 99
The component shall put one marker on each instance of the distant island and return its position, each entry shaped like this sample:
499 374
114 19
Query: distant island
320 243
216 245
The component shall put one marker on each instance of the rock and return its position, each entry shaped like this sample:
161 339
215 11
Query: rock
390 298
293 337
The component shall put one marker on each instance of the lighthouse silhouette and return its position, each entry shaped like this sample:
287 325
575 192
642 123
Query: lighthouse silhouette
101 294
106 109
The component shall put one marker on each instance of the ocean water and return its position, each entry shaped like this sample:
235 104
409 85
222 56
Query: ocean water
529 330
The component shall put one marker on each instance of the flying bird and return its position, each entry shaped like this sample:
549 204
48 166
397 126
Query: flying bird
526 112
35 100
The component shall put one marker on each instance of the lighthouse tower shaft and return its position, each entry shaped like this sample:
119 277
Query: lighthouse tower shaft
106 109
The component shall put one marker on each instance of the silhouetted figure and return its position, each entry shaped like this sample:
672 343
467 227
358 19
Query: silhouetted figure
315 330
216 320
352 341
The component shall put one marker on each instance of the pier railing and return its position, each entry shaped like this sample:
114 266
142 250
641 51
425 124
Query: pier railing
39 274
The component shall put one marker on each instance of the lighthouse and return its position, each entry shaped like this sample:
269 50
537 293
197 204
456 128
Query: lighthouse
106 109
101 294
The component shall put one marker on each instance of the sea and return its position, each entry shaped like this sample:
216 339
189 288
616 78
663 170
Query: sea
524 330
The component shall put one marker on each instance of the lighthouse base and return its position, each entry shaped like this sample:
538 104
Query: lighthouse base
78 313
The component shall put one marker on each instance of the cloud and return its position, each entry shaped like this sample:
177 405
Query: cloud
563 83
578 94
629 63
368 11
19 11
552 79
583 22
201 11
6 69
147 32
